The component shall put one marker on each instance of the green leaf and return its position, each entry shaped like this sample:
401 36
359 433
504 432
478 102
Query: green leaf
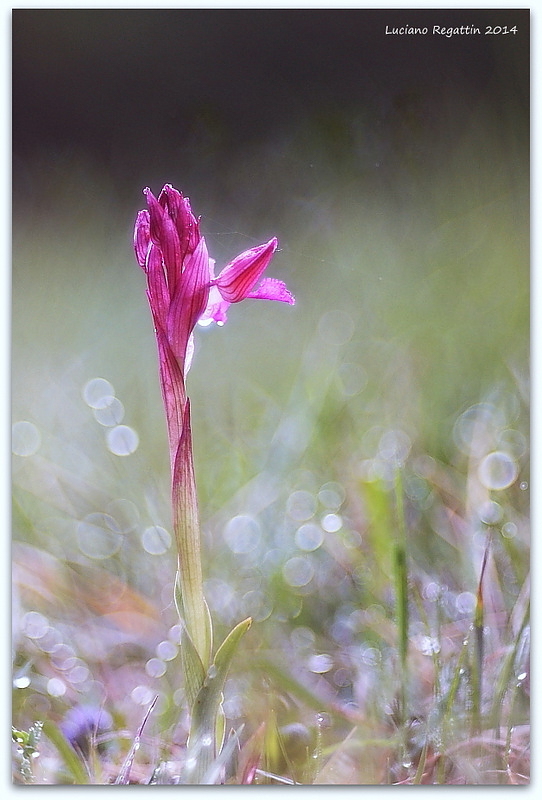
202 741
71 760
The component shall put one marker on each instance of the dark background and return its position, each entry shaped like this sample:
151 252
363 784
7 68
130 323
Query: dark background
129 86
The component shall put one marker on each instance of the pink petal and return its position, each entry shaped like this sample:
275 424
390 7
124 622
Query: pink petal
164 234
241 275
185 222
216 309
273 289
142 237
189 301
157 289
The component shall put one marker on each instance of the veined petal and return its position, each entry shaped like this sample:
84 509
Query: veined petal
157 289
163 232
239 277
173 393
185 222
156 212
189 301
142 237
273 289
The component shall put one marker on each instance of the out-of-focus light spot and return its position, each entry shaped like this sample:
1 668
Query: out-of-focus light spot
465 602
166 650
34 625
302 638
234 706
78 674
523 486
509 530
125 514
332 523
98 393
257 605
122 440
50 640
301 505
336 327
332 496
490 512
370 656
63 657
474 429
111 414
394 447
309 536
142 695
498 470
242 533
156 540
427 645
174 634
155 668
98 536
341 677
513 442
22 682
56 687
320 663
221 596
432 591
351 538
298 571
353 379
25 438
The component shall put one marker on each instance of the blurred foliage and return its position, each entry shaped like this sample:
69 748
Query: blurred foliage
405 240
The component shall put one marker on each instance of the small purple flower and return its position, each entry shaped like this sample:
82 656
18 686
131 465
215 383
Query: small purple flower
82 724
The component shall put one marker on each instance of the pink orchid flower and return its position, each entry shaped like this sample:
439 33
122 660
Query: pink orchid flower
182 290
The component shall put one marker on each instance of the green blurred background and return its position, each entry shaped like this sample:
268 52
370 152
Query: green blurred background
394 171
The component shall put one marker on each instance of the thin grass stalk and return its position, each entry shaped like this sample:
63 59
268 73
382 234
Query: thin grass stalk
478 655
401 589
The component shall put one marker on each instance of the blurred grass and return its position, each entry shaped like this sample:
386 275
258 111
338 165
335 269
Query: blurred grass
407 250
